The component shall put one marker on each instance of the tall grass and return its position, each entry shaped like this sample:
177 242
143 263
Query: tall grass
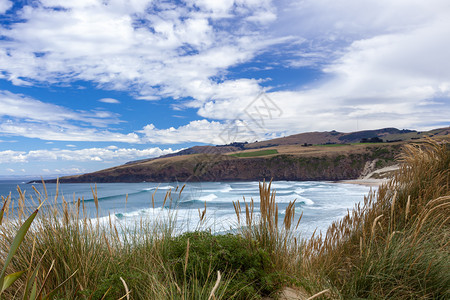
273 235
103 256
394 245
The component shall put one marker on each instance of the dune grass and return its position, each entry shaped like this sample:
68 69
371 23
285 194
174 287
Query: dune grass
395 245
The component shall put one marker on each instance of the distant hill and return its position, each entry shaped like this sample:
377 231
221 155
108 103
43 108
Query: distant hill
193 150
307 156
312 138
335 137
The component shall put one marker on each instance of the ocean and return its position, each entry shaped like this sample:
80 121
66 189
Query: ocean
127 203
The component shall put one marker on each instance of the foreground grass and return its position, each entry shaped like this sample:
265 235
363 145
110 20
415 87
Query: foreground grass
394 245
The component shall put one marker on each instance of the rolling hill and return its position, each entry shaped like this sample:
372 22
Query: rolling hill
307 156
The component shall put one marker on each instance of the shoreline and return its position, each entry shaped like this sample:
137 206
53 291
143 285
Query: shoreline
366 182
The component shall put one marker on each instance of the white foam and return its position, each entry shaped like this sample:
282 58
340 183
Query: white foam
221 189
290 198
159 188
299 191
185 219
321 203
305 200
166 187
226 189
208 197
276 185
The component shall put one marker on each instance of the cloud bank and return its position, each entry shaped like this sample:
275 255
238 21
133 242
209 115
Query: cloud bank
110 153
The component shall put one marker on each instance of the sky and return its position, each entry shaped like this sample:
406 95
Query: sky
90 84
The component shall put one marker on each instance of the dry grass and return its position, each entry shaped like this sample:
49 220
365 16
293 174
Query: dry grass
395 245
109 262
277 239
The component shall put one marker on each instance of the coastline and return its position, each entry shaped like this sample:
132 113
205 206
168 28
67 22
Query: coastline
374 178
366 182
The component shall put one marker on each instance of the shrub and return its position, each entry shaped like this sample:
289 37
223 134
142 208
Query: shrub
206 254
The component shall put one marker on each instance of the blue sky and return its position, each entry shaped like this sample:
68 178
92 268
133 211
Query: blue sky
90 84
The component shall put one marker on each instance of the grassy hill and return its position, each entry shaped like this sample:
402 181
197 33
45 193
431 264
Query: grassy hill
307 156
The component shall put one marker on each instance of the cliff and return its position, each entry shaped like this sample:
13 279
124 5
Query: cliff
288 163
334 156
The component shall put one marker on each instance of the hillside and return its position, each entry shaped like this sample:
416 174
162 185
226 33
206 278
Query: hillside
289 163
312 138
289 158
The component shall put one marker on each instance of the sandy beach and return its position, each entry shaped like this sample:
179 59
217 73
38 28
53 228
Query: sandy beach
382 175
366 182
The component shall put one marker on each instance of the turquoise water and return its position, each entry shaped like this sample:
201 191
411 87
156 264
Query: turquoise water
320 202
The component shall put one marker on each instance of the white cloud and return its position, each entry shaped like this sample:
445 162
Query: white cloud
69 171
202 131
10 156
24 116
23 107
109 100
382 61
82 155
5 5
155 51
391 63
10 170
221 8
349 20
64 133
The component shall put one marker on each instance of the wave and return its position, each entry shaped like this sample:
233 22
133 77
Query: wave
189 203
168 187
305 201
299 191
299 199
208 197
286 193
185 219
226 189
276 185
222 189
120 195
139 213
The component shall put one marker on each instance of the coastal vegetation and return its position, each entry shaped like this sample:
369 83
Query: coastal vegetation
395 244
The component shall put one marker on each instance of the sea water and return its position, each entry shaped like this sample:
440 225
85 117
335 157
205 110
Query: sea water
321 203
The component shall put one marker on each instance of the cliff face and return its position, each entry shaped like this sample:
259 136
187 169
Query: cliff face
284 167
337 165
